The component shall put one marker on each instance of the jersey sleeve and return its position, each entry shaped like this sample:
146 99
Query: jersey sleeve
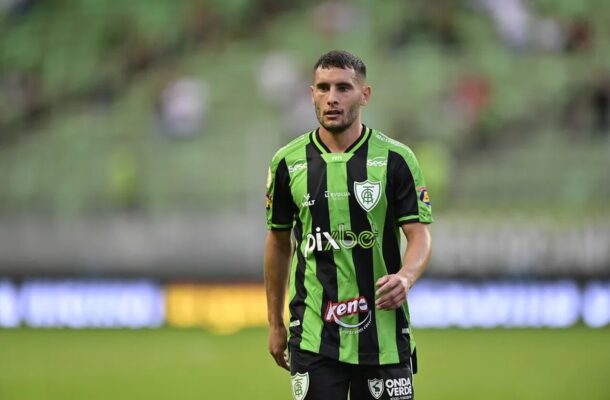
411 201
280 206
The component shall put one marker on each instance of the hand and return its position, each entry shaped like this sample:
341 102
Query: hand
277 345
392 292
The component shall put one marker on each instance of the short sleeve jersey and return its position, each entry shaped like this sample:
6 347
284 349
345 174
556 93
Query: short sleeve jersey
345 211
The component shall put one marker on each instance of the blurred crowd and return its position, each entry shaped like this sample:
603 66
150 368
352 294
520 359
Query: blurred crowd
125 53
120 52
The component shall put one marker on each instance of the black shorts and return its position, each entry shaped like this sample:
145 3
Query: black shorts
315 377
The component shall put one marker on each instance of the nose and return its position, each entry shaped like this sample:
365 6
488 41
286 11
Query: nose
332 98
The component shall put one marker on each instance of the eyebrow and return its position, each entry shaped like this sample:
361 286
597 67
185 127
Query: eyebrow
341 83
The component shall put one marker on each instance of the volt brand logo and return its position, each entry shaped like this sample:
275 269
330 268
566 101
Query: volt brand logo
297 166
340 239
399 388
306 202
336 311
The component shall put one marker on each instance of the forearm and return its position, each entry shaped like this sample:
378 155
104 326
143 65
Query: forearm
417 255
276 266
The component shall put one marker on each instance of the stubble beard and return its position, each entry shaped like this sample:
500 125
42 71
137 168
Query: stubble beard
338 129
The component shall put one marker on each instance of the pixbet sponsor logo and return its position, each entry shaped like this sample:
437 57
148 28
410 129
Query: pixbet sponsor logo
341 238
358 305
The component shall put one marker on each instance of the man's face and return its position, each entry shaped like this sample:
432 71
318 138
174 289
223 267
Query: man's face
338 94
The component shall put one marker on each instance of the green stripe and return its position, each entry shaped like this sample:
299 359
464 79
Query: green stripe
317 143
347 285
281 225
408 218
361 140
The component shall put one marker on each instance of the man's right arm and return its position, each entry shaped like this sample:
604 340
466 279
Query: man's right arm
276 264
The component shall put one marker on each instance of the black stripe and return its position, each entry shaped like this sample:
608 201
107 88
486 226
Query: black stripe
297 304
405 195
326 270
283 207
391 248
368 342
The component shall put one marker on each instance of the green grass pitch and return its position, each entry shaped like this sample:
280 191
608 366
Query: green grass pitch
194 364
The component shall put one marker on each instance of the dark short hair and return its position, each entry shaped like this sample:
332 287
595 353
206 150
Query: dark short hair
341 59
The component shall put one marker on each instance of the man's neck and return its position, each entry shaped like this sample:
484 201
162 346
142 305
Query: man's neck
339 142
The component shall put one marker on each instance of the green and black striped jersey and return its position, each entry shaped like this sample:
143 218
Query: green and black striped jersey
345 211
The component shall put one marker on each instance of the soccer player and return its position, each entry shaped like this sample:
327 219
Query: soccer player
344 191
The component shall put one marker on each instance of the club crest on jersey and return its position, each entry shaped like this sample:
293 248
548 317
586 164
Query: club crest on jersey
376 387
368 194
300 385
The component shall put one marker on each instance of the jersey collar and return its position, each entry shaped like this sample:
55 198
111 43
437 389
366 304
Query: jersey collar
364 135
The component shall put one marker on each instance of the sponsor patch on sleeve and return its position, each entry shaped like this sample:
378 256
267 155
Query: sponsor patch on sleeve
423 195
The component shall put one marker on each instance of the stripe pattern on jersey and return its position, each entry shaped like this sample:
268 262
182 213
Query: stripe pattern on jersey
345 211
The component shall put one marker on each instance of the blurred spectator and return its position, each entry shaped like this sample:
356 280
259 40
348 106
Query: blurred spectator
282 84
204 26
127 46
547 34
16 8
600 102
579 35
333 17
182 107
278 78
431 19
24 91
511 18
469 103
588 107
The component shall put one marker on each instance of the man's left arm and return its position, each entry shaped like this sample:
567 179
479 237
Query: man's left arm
392 289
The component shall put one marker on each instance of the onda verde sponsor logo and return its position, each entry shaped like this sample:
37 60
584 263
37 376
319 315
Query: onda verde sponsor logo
340 239
397 388
400 388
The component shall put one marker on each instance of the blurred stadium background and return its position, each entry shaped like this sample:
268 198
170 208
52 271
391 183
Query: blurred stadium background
134 142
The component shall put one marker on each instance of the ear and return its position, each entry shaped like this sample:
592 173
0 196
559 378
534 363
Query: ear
311 93
366 95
